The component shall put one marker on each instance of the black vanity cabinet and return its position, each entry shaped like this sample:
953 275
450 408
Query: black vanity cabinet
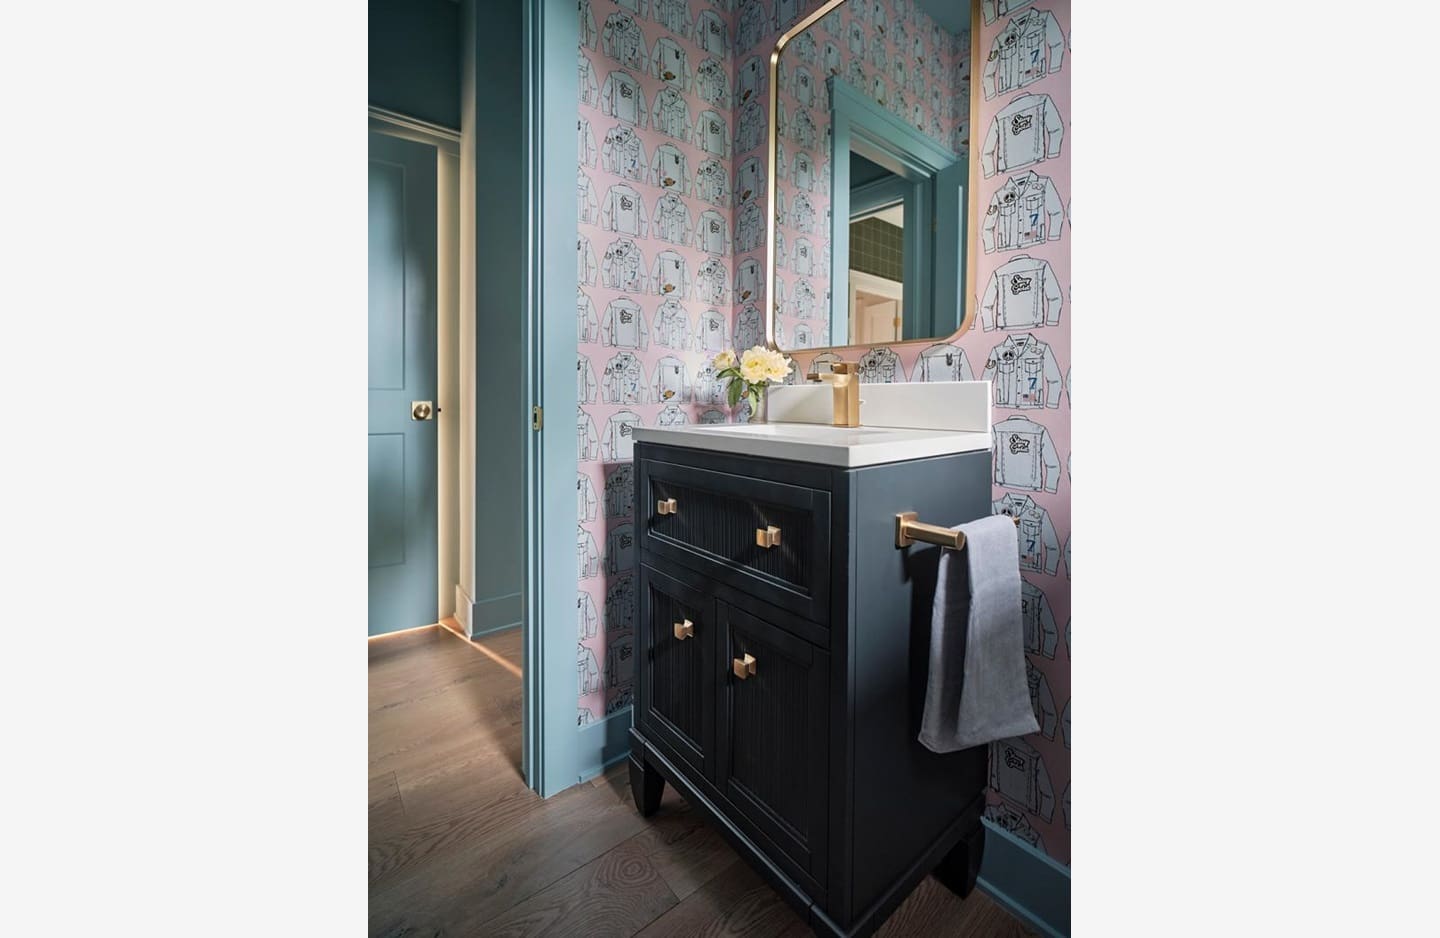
783 656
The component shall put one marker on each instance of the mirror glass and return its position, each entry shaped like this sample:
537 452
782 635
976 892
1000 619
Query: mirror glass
871 146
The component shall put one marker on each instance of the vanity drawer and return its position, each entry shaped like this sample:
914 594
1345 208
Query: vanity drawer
719 522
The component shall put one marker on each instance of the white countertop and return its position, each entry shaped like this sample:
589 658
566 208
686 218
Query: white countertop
848 447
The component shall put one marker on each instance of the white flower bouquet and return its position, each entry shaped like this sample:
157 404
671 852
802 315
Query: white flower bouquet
750 374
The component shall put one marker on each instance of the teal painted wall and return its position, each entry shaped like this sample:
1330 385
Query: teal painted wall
501 410
415 58
863 171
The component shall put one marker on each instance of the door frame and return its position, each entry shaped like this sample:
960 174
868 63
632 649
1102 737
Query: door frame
396 124
860 280
556 754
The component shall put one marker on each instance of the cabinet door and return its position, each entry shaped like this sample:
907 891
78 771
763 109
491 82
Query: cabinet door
677 671
773 737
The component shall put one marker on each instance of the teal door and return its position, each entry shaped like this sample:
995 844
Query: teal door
403 523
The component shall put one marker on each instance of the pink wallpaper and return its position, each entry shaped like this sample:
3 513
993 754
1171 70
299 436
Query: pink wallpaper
655 247
705 291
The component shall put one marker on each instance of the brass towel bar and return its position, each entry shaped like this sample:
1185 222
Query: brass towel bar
909 529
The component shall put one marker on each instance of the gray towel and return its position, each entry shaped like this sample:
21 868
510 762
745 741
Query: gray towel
977 691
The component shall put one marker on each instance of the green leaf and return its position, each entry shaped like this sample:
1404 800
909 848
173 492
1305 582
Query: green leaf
733 392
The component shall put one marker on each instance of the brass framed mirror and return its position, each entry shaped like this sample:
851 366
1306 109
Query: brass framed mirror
871 230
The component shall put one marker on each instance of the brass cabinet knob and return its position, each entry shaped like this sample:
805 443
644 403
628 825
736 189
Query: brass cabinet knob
744 667
422 410
666 506
768 536
684 630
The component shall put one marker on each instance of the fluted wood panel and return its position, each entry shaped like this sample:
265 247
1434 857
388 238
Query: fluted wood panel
770 732
725 525
677 688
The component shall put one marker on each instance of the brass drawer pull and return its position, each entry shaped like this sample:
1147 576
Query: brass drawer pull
744 667
768 536
684 630
665 506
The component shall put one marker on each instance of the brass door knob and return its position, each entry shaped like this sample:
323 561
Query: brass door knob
684 630
768 536
422 410
666 506
744 667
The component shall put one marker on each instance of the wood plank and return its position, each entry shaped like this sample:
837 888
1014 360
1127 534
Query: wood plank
933 910
472 775
430 671
387 808
615 780
509 644
426 842
736 901
687 851
478 710
504 861
618 893
396 645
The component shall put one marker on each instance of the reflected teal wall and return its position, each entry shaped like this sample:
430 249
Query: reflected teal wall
415 58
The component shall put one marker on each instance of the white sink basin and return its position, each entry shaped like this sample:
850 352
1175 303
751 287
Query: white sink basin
816 443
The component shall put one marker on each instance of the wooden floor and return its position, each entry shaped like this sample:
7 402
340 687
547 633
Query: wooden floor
460 847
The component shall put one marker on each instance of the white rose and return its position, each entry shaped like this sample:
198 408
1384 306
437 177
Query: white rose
753 365
777 366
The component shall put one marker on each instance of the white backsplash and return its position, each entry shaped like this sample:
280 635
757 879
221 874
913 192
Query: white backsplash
939 405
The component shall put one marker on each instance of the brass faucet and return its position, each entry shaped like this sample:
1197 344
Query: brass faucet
844 381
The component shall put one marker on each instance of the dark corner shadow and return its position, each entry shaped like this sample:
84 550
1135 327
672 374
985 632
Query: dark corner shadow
494 694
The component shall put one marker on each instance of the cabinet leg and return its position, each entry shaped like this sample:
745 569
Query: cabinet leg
646 784
962 864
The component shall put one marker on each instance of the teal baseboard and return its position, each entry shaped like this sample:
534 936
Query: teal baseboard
481 633
491 615
1027 883
606 743
499 612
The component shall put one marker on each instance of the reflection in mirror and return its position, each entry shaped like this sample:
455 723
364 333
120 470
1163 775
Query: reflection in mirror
877 254
870 147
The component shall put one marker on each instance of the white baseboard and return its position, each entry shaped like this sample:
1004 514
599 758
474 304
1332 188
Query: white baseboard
464 612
